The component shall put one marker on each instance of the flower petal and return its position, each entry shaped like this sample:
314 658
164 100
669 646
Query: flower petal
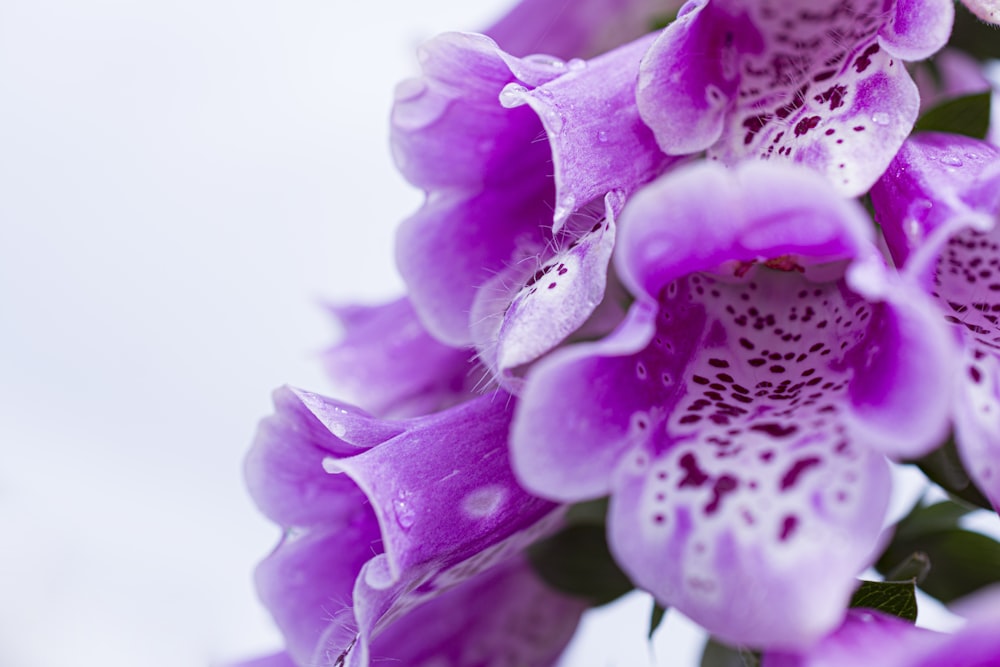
389 364
579 29
599 142
505 615
938 205
444 490
987 10
728 414
818 85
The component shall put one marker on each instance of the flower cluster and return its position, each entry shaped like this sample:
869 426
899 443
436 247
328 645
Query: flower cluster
695 262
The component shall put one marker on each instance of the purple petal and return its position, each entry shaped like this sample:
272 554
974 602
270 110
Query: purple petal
780 523
307 582
529 309
599 142
737 416
955 74
389 364
938 205
284 469
987 10
865 638
916 29
579 29
492 198
490 192
818 85
427 504
505 615
444 489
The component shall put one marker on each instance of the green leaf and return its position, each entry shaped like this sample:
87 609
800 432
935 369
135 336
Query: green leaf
589 512
898 598
924 519
968 115
656 618
717 654
944 467
978 39
576 560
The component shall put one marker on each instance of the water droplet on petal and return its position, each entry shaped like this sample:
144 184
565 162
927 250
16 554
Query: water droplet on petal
880 118
403 508
512 95
951 160
545 60
576 64
602 136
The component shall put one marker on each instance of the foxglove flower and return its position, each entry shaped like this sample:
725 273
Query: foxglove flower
579 29
391 527
498 226
387 363
821 84
871 638
938 205
738 416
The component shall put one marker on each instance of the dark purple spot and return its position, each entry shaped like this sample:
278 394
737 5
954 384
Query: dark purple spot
788 525
775 430
693 475
791 477
806 124
723 486
865 59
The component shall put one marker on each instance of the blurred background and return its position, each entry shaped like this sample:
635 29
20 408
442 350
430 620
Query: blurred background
182 186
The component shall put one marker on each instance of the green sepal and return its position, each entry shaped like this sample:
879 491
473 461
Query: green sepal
944 467
576 560
717 654
656 618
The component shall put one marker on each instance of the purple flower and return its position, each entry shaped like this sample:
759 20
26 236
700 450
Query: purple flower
392 527
578 29
818 83
390 366
510 217
738 416
938 206
870 638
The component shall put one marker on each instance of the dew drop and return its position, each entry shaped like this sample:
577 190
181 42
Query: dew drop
403 508
576 64
512 95
545 60
951 160
602 136
880 118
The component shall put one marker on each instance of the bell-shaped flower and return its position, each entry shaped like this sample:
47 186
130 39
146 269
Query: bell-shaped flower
739 415
525 162
387 363
816 82
393 528
868 637
938 205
